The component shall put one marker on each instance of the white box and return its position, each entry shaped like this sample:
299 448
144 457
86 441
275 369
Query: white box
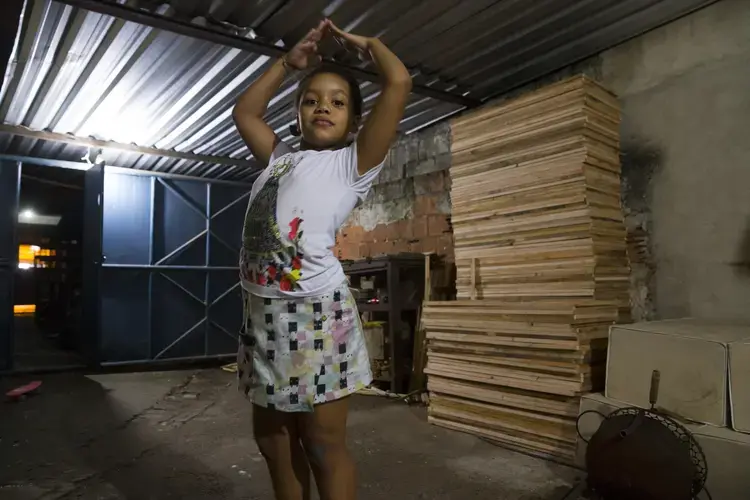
693 358
739 385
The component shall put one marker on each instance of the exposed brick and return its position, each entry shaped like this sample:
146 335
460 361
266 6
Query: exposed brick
427 166
443 203
426 144
443 161
411 143
405 229
380 248
365 250
392 190
420 227
351 234
400 246
429 244
393 170
435 140
443 136
425 205
380 233
392 232
404 152
437 225
430 183
349 251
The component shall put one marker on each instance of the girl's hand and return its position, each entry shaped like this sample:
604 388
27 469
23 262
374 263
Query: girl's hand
348 40
305 55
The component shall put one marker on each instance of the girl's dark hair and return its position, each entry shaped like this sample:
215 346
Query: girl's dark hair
355 93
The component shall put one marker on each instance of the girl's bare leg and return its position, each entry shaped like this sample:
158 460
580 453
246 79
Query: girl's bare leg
323 434
279 442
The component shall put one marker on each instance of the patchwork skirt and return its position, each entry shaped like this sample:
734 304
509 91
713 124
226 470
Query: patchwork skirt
298 352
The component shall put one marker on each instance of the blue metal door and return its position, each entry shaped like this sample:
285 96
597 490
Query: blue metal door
169 278
90 331
10 177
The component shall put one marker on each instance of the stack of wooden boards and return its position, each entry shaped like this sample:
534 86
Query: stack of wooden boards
542 269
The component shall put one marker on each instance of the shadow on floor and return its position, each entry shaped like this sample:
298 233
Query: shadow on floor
187 435
73 440
33 350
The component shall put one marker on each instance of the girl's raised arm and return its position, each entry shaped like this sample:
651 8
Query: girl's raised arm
380 128
252 104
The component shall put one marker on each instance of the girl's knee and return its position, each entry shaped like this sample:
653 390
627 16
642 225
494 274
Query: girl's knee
325 453
271 448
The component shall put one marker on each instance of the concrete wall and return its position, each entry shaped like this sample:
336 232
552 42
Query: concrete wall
685 93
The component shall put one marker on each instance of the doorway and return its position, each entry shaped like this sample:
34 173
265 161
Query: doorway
48 279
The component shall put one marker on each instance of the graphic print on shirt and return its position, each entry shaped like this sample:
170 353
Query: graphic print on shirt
267 257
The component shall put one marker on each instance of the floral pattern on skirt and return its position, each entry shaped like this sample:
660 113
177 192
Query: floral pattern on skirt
298 352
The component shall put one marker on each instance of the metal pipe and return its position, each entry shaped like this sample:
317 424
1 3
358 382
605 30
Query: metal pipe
144 267
227 207
150 298
165 361
185 290
76 165
181 337
180 248
207 282
255 46
166 175
185 199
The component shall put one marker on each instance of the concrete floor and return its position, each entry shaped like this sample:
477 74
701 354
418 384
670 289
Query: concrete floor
186 435
33 350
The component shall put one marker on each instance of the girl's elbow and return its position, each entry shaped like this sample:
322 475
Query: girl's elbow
236 112
402 82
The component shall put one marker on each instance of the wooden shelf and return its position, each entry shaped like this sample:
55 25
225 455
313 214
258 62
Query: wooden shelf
363 306
394 273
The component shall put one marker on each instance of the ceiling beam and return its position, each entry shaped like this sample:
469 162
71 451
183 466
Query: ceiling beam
50 182
157 21
119 146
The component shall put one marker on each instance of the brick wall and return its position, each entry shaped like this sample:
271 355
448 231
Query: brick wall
408 209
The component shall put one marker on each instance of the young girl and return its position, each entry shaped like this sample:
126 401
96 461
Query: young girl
302 350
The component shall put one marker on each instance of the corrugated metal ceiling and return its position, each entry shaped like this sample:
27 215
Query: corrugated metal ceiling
91 75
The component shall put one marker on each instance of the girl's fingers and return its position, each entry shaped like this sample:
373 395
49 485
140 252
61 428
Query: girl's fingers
309 36
338 32
333 27
303 46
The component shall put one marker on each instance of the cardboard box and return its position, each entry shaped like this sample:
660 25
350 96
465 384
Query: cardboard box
693 358
727 451
739 386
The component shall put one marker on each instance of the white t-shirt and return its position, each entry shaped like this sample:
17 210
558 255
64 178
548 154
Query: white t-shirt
296 206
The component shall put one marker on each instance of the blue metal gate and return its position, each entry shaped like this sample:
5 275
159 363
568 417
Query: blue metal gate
92 259
10 177
168 281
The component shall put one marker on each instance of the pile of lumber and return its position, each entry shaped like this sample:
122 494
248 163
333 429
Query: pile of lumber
513 371
536 197
542 269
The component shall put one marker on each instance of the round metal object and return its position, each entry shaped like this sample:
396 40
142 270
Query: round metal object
639 454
